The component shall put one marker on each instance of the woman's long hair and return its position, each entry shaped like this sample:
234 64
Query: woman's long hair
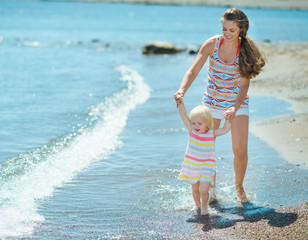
251 61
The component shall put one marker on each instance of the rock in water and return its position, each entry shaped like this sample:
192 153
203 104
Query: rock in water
154 48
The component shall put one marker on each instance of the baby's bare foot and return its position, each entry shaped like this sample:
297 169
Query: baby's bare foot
204 211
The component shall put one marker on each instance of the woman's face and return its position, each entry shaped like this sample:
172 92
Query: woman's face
230 30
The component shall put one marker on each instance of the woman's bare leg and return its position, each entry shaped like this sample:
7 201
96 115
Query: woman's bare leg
239 130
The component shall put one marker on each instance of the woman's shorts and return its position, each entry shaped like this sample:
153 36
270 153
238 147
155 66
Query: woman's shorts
219 113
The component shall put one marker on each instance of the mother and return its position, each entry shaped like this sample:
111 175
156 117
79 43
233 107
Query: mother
233 60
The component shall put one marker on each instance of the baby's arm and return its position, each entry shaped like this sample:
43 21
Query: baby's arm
225 129
183 115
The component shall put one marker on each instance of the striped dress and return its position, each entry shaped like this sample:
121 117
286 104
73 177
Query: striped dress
223 81
199 160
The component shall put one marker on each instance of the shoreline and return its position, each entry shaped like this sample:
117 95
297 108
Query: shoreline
285 77
272 4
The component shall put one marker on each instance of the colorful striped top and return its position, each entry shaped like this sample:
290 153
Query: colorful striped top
199 160
223 81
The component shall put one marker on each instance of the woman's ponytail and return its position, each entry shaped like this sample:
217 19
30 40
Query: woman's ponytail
251 60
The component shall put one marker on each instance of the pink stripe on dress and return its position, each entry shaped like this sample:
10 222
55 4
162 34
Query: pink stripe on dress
207 138
199 160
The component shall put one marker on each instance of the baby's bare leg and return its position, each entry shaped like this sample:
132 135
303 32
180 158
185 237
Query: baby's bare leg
204 192
196 193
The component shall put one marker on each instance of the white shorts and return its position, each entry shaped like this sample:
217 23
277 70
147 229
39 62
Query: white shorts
219 113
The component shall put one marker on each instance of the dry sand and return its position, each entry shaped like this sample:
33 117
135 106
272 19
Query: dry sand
285 77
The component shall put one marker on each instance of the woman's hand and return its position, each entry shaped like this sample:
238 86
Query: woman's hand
178 97
230 114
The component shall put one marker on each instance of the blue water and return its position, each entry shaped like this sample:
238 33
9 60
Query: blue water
91 141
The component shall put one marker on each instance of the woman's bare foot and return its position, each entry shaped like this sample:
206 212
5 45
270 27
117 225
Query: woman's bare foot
241 195
212 196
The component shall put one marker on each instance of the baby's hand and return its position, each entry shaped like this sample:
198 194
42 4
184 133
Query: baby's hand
178 103
227 125
230 114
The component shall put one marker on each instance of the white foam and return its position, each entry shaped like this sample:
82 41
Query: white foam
19 195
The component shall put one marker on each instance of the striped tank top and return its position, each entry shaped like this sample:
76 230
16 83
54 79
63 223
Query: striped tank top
199 159
223 81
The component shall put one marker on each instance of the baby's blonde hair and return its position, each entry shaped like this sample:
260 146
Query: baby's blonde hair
203 112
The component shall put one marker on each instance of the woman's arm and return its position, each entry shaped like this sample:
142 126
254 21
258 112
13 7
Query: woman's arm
183 115
206 49
225 129
242 93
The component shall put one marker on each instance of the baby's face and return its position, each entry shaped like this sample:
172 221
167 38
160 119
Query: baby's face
198 125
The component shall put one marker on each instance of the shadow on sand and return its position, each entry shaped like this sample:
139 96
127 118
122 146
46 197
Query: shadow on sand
248 212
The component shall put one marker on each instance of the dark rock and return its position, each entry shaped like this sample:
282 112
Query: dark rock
154 48
193 51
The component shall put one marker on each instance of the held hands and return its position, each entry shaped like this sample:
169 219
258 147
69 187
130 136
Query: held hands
178 97
227 125
230 114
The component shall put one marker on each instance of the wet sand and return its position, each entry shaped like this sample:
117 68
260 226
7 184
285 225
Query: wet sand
256 223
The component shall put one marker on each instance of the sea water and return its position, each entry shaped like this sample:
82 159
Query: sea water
91 141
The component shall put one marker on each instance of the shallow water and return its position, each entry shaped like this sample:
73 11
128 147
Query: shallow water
91 139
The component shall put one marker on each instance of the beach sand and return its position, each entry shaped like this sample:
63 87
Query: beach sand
285 77
285 223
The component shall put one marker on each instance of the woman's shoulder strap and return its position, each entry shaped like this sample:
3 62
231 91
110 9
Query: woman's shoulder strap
212 43
217 42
